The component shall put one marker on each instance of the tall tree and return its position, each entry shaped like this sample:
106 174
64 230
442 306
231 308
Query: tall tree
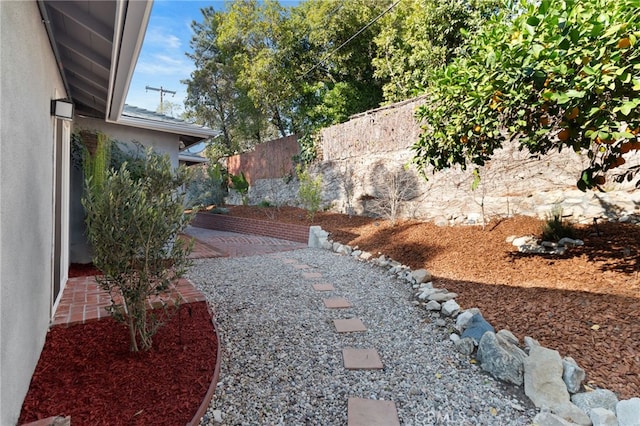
214 98
258 34
420 36
340 75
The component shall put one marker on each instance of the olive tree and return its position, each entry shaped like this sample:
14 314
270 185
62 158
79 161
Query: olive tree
133 224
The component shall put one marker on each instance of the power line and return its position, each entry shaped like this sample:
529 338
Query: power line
349 39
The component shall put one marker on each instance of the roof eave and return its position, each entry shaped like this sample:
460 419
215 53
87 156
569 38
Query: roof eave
176 128
192 159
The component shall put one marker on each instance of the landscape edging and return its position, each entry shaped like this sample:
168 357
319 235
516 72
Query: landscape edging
547 415
204 406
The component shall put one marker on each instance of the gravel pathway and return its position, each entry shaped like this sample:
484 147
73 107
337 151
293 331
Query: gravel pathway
282 358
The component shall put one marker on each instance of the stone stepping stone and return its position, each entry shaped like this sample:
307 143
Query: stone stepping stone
301 266
311 275
349 325
336 303
361 359
323 287
371 412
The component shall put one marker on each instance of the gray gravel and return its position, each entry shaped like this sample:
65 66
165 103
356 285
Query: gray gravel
282 358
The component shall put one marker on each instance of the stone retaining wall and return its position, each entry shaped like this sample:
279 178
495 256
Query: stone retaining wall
364 156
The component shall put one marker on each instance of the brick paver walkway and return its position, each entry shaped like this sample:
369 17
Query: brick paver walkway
83 300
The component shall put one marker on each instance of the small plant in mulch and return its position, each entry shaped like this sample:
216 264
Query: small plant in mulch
309 191
240 184
555 227
133 224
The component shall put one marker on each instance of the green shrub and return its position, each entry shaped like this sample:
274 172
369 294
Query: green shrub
207 187
240 184
555 228
133 225
95 160
309 191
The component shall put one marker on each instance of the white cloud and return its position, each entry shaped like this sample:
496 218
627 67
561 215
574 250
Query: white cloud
165 64
156 37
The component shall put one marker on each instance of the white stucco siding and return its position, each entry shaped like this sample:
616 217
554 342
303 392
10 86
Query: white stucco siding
164 143
29 79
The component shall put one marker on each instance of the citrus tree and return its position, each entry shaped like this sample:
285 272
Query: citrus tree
553 75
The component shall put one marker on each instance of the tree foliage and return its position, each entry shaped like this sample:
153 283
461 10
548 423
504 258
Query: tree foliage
133 225
264 70
422 36
554 75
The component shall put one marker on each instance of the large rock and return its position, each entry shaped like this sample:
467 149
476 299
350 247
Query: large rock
572 374
509 336
599 398
317 236
432 305
442 297
603 417
545 418
425 292
421 275
500 357
465 346
530 342
450 308
477 327
464 318
628 412
527 240
544 386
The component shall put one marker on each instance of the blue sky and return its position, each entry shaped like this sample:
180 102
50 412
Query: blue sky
162 61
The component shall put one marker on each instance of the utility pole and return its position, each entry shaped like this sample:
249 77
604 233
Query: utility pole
162 91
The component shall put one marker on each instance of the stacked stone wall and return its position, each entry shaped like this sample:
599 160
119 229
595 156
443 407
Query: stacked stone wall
364 155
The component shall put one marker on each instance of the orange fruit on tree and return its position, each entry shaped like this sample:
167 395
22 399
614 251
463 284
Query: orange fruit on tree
477 128
573 113
623 43
464 139
544 121
564 134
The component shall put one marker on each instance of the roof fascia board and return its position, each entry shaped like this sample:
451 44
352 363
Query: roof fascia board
132 18
176 128
192 159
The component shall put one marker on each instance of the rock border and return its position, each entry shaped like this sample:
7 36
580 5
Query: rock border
551 382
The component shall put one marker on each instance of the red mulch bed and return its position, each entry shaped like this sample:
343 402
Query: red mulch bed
83 270
556 300
87 372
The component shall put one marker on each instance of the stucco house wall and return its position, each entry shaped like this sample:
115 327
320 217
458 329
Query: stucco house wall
161 142
27 133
